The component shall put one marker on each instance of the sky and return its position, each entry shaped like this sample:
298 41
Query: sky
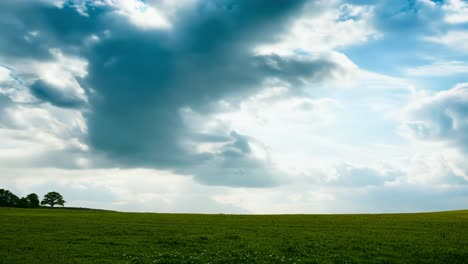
236 106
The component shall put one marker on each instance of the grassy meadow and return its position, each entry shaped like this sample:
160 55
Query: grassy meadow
88 236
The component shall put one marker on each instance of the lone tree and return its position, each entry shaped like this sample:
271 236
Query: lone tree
52 199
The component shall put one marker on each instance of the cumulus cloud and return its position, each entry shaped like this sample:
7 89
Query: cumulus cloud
441 117
43 91
133 78
135 116
456 11
325 26
226 95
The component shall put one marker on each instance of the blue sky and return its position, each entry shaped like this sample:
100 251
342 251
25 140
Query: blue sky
236 106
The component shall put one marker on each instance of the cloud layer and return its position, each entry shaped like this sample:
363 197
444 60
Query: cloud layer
301 101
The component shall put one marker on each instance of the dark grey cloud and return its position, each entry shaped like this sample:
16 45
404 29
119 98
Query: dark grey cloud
46 92
31 28
144 78
139 79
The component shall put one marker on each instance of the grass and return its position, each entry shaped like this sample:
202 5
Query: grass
87 236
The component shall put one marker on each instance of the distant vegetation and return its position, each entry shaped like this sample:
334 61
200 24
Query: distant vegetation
86 236
9 199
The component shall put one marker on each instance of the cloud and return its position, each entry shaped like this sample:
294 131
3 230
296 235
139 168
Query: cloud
418 17
130 79
454 39
54 80
5 102
349 175
121 189
246 105
404 198
51 94
397 16
135 115
445 68
4 74
41 136
306 198
439 167
428 26
13 88
456 11
133 103
238 163
436 124
30 29
141 14
325 26
440 117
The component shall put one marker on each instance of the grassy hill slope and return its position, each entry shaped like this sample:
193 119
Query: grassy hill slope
87 236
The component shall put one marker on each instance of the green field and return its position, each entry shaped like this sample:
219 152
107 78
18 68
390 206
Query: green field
87 236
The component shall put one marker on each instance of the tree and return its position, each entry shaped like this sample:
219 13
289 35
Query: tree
22 203
8 199
33 200
52 198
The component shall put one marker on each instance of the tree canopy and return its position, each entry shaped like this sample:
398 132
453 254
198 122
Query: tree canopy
52 199
32 200
9 199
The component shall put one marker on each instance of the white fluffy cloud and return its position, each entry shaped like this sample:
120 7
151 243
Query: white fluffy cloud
437 124
141 14
440 117
337 26
456 11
